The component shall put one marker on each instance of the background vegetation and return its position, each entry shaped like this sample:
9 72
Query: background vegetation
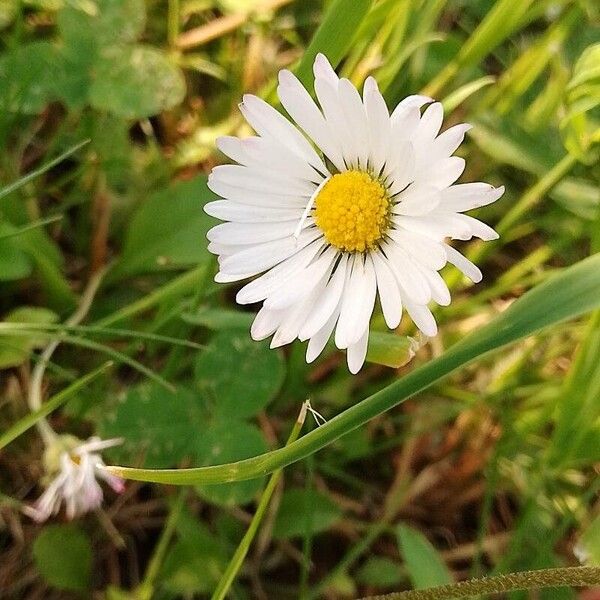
491 470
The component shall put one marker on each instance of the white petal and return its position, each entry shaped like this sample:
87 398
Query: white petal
243 213
260 288
261 180
251 233
301 107
328 302
422 318
439 290
328 98
322 69
463 264
409 103
466 196
319 340
447 142
379 125
357 303
430 124
389 293
357 353
222 277
424 250
400 168
267 255
276 197
445 173
408 275
271 155
436 226
304 283
265 323
269 123
478 228
356 118
417 199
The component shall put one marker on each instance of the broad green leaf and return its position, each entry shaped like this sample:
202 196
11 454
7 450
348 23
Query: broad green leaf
106 22
570 293
63 555
167 231
220 318
334 36
8 10
304 511
27 78
226 442
379 571
238 375
15 349
425 567
135 82
158 426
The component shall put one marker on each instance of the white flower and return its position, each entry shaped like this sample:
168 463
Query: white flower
369 214
76 467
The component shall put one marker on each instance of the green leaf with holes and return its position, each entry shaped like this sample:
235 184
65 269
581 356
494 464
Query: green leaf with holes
238 375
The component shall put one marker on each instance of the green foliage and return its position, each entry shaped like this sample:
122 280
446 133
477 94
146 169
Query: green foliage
174 239
159 428
15 349
238 375
106 146
302 511
425 567
63 555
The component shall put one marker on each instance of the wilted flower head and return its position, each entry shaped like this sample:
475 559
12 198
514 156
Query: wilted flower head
364 209
73 469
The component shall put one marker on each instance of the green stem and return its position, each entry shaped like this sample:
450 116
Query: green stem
49 406
145 590
237 559
575 290
173 23
179 285
527 580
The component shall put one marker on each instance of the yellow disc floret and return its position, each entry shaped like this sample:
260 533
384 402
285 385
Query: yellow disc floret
352 210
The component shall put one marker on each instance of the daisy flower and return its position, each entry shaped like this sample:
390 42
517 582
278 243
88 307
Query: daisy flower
75 468
348 204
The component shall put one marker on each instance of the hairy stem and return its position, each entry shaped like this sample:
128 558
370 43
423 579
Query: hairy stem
527 580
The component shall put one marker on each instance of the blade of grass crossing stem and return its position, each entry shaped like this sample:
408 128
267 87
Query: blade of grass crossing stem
237 560
570 293
22 425
334 36
45 167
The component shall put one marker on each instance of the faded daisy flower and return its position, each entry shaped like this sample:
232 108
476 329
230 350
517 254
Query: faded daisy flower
74 468
364 209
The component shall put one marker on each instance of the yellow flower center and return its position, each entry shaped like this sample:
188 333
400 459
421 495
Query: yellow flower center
352 211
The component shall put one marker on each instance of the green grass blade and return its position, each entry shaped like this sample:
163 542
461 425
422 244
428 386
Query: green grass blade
45 167
28 421
334 36
574 291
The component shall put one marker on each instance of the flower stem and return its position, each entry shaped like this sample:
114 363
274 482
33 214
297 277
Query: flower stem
34 398
242 550
527 580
